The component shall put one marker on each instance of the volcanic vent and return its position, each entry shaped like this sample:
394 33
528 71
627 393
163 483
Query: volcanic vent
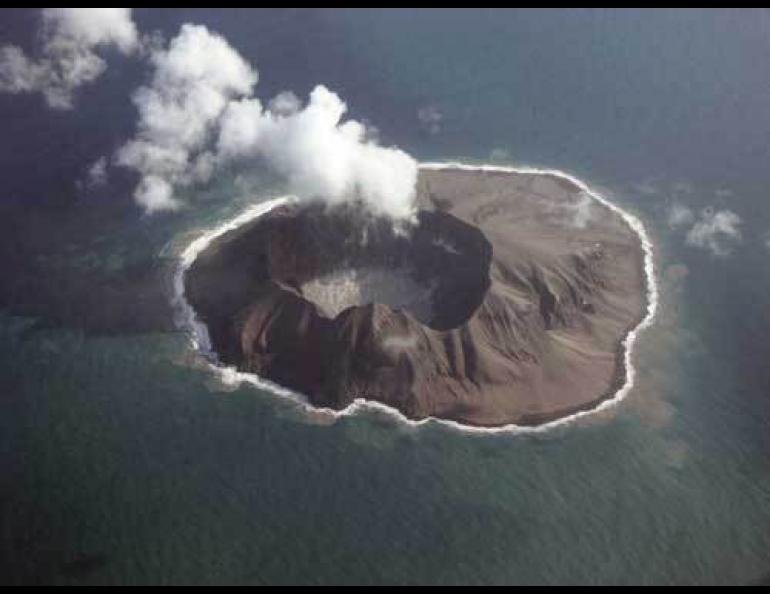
436 271
492 308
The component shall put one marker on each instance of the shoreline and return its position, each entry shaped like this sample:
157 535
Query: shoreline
186 318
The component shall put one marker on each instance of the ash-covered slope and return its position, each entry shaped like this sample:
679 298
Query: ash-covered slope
507 303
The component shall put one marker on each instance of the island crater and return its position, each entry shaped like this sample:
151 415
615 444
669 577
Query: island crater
507 301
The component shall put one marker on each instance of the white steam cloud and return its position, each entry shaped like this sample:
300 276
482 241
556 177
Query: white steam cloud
581 211
68 58
680 216
430 119
97 173
321 155
199 112
194 80
716 231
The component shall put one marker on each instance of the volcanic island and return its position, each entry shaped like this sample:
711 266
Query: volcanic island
507 301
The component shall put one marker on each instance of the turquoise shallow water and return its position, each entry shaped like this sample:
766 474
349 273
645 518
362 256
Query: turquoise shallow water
126 461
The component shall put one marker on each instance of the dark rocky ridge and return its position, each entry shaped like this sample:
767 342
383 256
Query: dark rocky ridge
495 308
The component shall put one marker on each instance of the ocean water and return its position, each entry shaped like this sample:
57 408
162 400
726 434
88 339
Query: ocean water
126 461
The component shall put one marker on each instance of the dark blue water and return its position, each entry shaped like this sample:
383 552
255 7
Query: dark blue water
125 461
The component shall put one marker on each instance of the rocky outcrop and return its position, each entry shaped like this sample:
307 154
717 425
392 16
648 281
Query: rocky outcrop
500 305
